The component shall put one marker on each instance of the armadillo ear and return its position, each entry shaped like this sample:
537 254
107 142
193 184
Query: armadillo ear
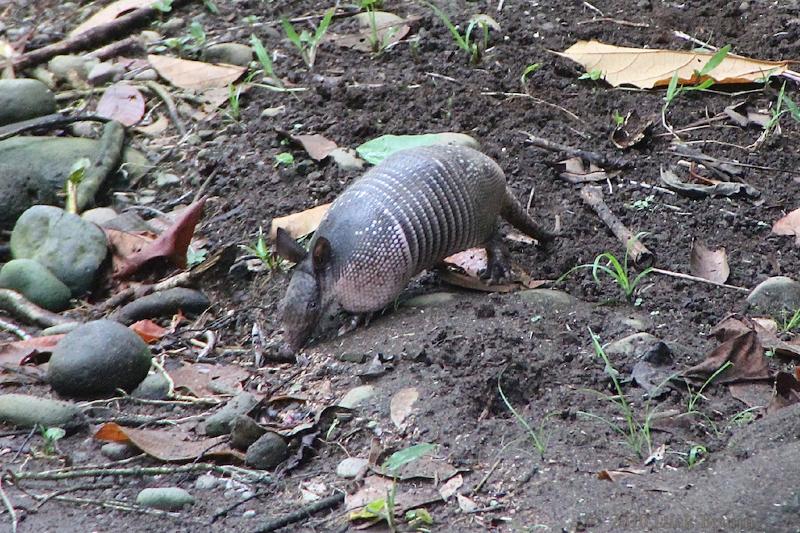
321 254
288 248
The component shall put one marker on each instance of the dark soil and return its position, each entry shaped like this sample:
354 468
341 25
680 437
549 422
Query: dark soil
457 353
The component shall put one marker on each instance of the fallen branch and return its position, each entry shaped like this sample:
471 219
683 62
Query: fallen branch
698 279
138 471
593 157
45 122
106 161
593 197
9 507
20 307
13 328
303 513
179 280
90 39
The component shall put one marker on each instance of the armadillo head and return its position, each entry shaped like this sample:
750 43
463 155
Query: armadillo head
303 303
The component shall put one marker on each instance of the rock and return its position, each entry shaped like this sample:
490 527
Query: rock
172 25
99 215
147 74
149 36
346 159
547 301
98 357
356 396
71 248
220 422
429 300
162 303
61 328
105 72
165 498
267 452
777 295
36 283
33 171
244 432
153 387
65 67
633 345
206 482
24 98
250 513
117 451
230 53
84 128
272 112
28 411
352 467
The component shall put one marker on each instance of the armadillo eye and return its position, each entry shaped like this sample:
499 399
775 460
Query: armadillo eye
312 305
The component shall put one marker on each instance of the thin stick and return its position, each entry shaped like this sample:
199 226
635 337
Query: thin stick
22 308
162 93
13 328
303 513
593 197
698 279
537 100
594 157
615 21
10 507
485 478
698 42
46 121
56 475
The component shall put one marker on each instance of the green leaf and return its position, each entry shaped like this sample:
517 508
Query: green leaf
715 60
291 33
262 55
323 26
374 509
672 88
284 158
197 32
78 170
408 455
165 6
376 150
54 434
419 516
211 6
793 108
594 75
530 69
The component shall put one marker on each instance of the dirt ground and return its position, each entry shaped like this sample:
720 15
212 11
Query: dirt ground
456 353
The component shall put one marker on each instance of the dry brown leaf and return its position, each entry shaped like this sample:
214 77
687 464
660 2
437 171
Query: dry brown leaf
148 330
317 146
195 75
205 380
109 13
787 392
746 356
709 264
648 68
622 473
402 405
123 103
451 487
299 224
788 225
389 27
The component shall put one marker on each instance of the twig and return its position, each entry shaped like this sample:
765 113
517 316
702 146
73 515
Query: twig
615 21
535 99
593 197
485 478
132 44
55 475
698 279
178 280
162 93
10 507
89 39
698 42
46 121
13 328
20 307
594 157
596 10
106 160
654 188
302 514
42 499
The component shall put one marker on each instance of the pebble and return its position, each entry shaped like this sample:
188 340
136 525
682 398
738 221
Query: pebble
633 345
267 452
356 396
36 283
28 411
220 422
172 25
250 513
117 451
206 482
165 498
776 295
229 53
352 467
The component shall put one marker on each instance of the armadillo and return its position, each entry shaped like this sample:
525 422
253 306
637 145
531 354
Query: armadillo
403 216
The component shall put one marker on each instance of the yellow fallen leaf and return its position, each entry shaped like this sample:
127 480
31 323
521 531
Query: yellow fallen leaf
299 224
195 75
648 68
109 13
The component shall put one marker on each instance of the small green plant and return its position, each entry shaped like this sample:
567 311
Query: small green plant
211 6
619 272
377 42
419 519
777 112
593 75
696 396
165 6
474 47
742 418
643 204
537 436
260 249
674 89
197 33
635 432
789 324
195 257
234 107
697 454
267 67
187 44
306 42
284 158
530 69
74 179
618 119
51 436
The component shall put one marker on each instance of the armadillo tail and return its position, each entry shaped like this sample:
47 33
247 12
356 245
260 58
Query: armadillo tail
515 214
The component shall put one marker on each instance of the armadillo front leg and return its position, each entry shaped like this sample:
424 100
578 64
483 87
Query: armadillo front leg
498 264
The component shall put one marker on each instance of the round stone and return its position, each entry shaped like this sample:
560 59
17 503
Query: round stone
36 283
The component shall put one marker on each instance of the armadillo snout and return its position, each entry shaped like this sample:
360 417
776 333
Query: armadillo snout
300 310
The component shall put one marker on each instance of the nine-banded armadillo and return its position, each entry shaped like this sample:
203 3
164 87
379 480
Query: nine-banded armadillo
403 216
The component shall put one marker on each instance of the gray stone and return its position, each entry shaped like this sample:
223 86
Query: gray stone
28 411
206 482
346 159
36 283
154 387
147 74
165 498
220 422
352 467
244 432
633 345
150 36
99 215
230 53
356 396
429 300
547 301
777 295
272 112
117 451
61 328
66 66
172 25
105 72
24 98
71 248
267 452
98 357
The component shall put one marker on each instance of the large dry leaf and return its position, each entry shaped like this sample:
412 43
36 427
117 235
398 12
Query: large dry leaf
109 13
123 103
745 355
299 224
788 225
194 75
389 30
648 68
709 264
402 405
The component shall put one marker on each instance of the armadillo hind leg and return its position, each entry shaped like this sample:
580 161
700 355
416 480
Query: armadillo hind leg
515 214
353 323
498 261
